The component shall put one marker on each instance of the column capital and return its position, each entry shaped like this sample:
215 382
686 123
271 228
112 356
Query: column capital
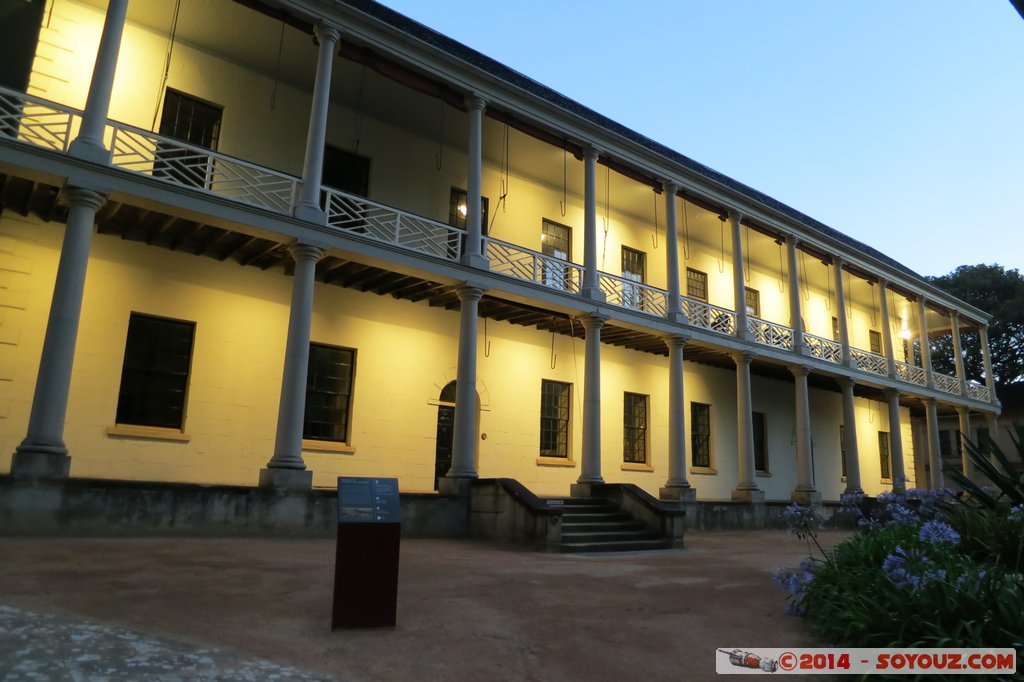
305 252
883 283
676 340
846 383
742 357
929 402
799 370
735 215
670 187
474 102
468 292
325 33
591 151
86 198
592 320
837 260
793 239
892 393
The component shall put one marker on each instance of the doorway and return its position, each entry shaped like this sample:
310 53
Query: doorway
445 431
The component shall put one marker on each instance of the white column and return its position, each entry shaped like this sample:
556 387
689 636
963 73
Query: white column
739 289
674 307
958 356
591 287
746 487
986 359
926 349
899 471
796 319
42 454
676 487
853 484
890 353
844 328
590 472
473 255
964 434
992 422
931 414
464 436
805 491
89 143
308 206
286 469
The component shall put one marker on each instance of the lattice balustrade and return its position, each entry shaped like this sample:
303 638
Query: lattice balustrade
911 374
824 349
770 334
946 383
701 314
515 261
36 121
383 223
977 391
870 362
633 295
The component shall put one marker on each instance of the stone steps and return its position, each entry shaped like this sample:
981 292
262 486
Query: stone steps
599 525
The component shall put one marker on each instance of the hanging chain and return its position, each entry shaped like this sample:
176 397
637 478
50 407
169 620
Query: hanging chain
654 237
782 283
563 204
686 233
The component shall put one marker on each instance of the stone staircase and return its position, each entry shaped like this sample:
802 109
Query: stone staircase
596 524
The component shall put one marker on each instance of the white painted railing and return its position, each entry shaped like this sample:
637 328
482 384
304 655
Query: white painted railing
978 392
946 383
37 121
355 214
633 295
701 314
911 373
870 362
515 261
824 349
770 334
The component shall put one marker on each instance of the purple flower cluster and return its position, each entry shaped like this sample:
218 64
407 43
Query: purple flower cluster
938 533
911 571
801 520
796 583
1017 513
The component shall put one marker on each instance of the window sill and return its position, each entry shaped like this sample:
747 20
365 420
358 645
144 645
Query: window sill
636 466
328 446
147 432
704 471
555 462
763 474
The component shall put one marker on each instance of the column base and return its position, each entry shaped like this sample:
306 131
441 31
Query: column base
89 151
454 487
748 495
855 492
30 464
583 489
678 494
475 260
593 293
313 214
808 497
287 480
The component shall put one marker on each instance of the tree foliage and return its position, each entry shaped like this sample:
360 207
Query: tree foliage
1000 293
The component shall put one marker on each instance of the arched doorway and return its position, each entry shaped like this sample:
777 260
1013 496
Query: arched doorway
445 431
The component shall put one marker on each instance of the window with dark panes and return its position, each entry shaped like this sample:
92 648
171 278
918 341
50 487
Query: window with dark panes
346 171
154 376
556 242
700 435
875 342
194 122
945 444
982 437
696 284
458 210
753 300
842 448
634 269
760 426
329 380
634 428
555 410
884 456
835 329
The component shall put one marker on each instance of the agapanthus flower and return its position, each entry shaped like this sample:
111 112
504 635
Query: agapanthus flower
938 533
1017 513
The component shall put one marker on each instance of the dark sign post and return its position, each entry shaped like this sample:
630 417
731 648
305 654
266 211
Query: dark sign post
366 562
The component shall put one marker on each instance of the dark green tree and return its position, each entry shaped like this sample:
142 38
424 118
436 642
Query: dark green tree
1000 293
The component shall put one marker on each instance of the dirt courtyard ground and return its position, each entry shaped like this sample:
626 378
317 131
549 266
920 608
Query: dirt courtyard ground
466 610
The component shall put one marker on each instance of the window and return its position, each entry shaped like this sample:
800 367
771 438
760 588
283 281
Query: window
635 428
346 171
753 299
328 393
906 352
884 456
556 242
458 210
696 284
945 445
835 329
555 404
154 377
760 424
700 435
19 34
634 267
875 342
842 446
982 438
192 121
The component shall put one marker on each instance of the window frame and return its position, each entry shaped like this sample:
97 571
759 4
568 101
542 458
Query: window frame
699 278
565 394
459 197
842 450
555 275
875 342
346 435
749 294
884 457
642 429
707 443
333 153
760 442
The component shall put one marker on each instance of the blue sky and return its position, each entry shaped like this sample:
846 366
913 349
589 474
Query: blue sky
898 122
